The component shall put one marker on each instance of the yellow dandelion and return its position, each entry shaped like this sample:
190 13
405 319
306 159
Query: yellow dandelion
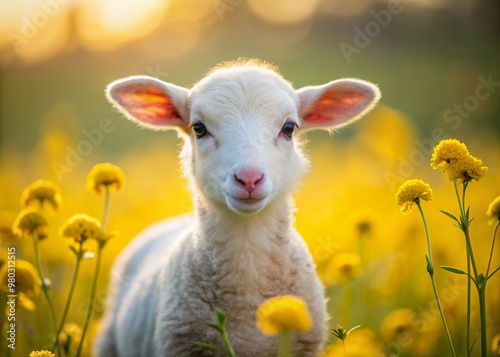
411 191
25 277
43 353
494 210
343 268
40 192
448 152
81 227
468 169
454 158
29 222
495 345
397 324
105 175
282 314
363 220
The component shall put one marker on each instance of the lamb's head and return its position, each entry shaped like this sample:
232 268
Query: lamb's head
240 125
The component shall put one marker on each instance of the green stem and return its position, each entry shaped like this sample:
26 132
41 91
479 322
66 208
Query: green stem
482 314
70 294
364 241
225 338
492 248
430 270
90 308
464 190
462 213
285 344
465 226
464 222
45 287
469 248
105 212
468 314
346 304
96 272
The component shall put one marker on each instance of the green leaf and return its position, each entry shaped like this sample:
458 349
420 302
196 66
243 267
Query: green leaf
352 329
451 215
474 342
341 333
73 249
209 346
467 213
221 317
214 326
494 271
430 267
454 270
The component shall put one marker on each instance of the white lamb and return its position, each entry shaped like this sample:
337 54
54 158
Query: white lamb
243 159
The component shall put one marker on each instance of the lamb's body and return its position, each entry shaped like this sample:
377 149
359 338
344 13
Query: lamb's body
266 264
240 247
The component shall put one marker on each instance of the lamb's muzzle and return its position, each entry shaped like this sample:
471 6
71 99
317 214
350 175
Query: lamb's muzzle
241 128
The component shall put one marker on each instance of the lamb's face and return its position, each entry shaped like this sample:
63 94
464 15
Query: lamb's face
243 127
241 123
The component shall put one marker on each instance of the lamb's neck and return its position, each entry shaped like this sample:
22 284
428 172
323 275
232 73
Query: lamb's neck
262 231
244 254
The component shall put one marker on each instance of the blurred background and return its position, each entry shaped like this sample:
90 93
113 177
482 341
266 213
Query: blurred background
436 62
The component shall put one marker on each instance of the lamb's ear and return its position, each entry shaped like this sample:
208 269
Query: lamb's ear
336 104
150 102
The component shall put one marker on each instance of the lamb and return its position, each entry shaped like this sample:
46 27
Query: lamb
241 128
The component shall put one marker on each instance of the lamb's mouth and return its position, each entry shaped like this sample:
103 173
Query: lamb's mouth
246 204
250 200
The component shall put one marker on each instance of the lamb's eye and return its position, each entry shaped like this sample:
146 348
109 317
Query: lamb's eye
288 129
200 130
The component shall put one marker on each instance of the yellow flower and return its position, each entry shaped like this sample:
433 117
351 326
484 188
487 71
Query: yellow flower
30 222
43 353
470 168
41 191
283 313
494 210
70 336
81 227
448 152
453 157
26 302
411 191
343 268
6 222
397 324
495 345
26 277
363 220
105 175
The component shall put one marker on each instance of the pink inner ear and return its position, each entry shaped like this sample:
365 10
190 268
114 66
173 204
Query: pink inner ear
336 106
148 103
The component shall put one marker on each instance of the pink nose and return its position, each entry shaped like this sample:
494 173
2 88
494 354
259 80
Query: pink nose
249 179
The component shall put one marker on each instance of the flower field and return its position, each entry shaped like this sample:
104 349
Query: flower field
401 227
370 257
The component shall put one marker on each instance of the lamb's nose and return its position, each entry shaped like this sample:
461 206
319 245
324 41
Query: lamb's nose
249 179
